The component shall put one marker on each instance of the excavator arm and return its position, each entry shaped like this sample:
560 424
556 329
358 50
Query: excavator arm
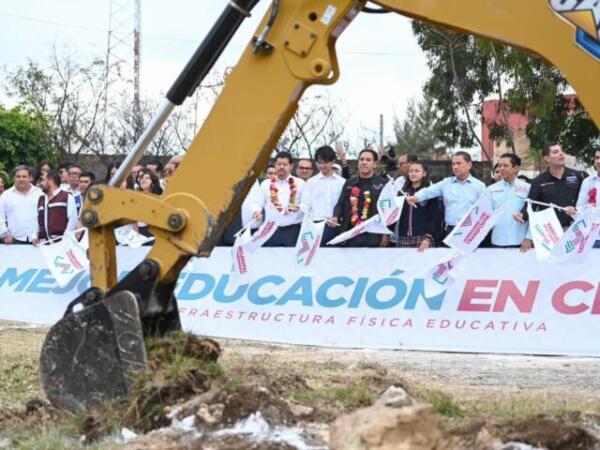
100 338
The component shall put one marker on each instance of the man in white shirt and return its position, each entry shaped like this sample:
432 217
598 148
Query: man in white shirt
74 173
589 194
322 192
18 209
63 171
282 193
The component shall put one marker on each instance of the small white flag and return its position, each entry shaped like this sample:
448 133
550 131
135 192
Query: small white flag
439 277
127 235
309 241
474 226
372 225
65 259
389 206
545 231
239 253
266 230
577 241
84 242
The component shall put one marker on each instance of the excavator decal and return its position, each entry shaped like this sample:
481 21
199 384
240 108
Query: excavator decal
585 15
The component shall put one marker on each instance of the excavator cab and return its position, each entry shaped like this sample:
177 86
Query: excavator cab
90 354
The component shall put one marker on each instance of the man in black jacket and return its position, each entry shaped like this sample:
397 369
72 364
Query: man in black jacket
558 185
358 202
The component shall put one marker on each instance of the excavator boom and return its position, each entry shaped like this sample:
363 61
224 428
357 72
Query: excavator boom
293 48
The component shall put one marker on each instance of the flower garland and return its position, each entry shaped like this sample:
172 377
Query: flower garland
354 217
592 196
275 199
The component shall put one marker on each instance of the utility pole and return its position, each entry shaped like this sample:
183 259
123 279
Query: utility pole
122 71
137 109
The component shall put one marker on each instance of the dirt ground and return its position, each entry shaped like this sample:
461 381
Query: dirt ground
465 376
461 387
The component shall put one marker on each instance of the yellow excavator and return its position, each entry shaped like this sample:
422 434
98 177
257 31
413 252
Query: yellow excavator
90 354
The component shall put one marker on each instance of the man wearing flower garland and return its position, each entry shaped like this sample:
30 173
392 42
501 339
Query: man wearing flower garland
358 202
283 192
588 194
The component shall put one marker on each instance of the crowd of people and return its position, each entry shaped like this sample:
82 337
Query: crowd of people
45 203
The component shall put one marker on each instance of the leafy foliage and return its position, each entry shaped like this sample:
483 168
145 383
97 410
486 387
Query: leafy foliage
24 139
465 70
417 133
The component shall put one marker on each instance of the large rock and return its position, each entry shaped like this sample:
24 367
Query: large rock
382 428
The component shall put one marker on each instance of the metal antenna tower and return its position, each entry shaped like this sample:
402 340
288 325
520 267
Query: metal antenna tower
122 75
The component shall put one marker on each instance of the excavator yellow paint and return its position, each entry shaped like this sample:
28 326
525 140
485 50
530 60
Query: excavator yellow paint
584 20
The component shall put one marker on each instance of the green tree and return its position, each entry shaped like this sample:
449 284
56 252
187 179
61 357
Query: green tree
24 139
460 78
417 133
465 70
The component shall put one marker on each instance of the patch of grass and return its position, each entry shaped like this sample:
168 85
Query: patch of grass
513 407
19 380
233 384
212 369
46 431
353 396
442 403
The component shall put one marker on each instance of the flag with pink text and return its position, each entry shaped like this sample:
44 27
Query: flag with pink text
309 241
545 231
474 226
65 259
578 240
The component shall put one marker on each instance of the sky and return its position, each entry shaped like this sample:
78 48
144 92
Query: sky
382 67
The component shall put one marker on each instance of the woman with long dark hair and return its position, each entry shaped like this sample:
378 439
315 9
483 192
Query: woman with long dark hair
418 226
150 184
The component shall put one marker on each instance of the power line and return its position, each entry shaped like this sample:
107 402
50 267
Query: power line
186 41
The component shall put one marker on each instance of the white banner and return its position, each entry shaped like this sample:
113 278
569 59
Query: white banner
500 300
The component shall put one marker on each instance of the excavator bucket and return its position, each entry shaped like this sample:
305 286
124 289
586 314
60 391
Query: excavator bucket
90 355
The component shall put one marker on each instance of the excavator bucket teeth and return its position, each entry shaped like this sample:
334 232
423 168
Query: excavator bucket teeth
89 356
